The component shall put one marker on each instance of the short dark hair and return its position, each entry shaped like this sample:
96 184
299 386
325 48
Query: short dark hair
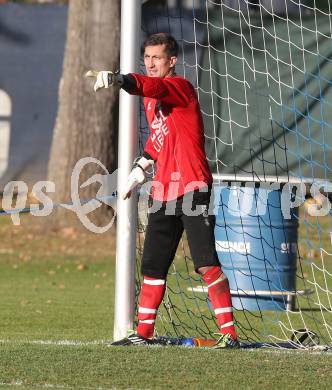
172 47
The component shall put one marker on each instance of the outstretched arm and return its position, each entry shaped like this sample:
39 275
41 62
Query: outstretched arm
175 92
107 78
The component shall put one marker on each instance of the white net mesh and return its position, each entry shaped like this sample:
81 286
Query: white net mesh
261 71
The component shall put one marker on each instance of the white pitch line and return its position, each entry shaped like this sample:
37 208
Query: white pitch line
51 386
314 350
57 342
280 351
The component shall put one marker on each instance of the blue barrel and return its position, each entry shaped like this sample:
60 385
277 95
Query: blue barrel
256 246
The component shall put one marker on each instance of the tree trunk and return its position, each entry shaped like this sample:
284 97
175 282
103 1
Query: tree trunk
86 124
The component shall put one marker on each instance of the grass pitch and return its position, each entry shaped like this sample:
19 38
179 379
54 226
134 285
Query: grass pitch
57 293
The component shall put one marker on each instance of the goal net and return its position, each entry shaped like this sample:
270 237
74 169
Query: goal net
261 70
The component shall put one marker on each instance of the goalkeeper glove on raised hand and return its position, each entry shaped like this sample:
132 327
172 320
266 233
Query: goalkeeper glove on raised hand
105 78
137 176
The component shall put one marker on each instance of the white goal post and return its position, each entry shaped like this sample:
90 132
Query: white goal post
127 150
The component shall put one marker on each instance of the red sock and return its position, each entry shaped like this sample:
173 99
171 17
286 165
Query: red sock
220 296
152 293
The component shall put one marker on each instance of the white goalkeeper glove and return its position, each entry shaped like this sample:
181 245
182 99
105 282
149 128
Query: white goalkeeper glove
136 176
105 78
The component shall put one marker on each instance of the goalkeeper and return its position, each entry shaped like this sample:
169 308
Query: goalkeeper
176 145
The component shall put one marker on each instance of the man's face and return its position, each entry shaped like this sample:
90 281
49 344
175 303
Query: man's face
157 62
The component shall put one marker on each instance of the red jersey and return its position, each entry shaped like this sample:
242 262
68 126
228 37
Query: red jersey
176 140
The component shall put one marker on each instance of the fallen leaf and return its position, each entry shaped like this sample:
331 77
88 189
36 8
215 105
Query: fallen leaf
68 232
4 251
82 267
312 253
